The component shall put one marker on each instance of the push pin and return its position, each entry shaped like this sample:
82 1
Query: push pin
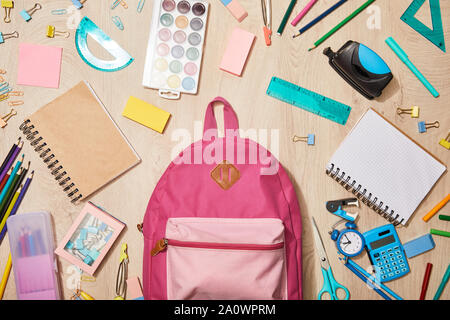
78 3
310 139
4 36
424 126
26 14
414 112
8 5
52 32
5 118
445 142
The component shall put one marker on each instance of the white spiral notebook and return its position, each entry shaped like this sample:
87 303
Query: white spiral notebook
384 168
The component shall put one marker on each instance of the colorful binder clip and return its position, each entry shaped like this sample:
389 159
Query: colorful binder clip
414 112
78 3
8 5
26 14
424 126
117 2
335 207
310 139
140 5
445 142
52 32
5 118
4 36
118 22
122 274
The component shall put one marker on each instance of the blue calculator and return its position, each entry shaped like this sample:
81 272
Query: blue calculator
386 253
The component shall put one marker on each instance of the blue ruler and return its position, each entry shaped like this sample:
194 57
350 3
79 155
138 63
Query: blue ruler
308 100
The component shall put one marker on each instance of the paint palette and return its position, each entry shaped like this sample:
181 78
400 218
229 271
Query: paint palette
175 47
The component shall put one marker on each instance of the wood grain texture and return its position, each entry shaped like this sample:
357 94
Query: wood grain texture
127 197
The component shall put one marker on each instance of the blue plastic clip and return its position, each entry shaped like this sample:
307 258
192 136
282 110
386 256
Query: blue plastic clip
424 126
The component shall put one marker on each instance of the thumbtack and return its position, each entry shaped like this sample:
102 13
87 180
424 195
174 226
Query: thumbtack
26 14
8 5
4 36
52 32
310 139
118 22
424 126
78 3
414 111
5 118
445 142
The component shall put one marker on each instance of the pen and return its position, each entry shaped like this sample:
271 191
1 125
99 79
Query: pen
426 280
443 283
404 57
286 17
436 208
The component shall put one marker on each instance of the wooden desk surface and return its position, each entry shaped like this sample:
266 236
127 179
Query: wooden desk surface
127 197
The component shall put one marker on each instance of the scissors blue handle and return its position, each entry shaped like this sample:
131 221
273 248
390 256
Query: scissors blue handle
330 286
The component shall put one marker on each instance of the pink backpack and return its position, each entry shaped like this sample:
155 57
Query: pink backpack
223 223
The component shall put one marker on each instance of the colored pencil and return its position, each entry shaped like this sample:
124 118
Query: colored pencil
286 17
11 160
365 280
10 180
5 178
5 276
12 190
303 12
319 18
5 162
23 191
443 283
340 25
438 207
426 281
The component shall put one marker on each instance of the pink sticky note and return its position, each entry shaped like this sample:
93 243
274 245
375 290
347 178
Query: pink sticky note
39 66
237 50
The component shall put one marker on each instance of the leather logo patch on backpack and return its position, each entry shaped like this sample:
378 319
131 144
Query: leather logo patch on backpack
225 174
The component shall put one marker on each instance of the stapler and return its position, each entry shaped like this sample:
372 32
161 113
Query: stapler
361 67
335 207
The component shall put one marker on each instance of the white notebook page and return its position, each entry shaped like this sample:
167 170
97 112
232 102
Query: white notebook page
388 164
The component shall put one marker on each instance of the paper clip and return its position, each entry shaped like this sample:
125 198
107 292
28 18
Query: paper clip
2 79
59 12
117 2
2 71
4 88
26 14
140 5
118 22
310 139
414 112
16 93
445 142
15 103
8 5
5 118
78 3
4 36
4 97
424 126
52 32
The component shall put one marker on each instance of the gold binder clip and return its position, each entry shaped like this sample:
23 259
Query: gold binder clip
52 32
414 111
310 139
445 142
4 36
5 118
15 103
8 5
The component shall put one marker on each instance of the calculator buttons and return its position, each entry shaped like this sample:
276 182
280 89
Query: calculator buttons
382 252
402 265
404 270
396 248
376 255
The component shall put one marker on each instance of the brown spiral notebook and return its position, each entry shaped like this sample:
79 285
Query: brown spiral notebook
79 142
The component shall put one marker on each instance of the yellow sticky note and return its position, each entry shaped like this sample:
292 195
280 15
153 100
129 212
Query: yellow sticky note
146 114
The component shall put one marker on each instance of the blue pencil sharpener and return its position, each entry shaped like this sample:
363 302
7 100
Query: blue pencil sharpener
361 67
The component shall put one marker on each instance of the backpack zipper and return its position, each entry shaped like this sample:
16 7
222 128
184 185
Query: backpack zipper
162 244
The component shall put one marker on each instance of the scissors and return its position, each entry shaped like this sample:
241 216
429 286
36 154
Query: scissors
266 6
330 285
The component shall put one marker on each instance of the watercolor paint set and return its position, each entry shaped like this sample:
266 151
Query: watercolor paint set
175 47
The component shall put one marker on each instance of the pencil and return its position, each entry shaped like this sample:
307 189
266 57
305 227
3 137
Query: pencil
443 283
438 207
286 17
340 25
5 162
5 276
11 160
367 281
426 280
319 18
12 190
5 178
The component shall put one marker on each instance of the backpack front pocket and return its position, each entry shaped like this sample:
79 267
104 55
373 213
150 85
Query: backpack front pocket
215 258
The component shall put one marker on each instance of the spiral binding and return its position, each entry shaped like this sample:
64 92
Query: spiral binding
362 194
56 169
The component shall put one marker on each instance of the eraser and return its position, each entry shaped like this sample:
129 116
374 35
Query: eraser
146 114
236 9
237 51
419 245
134 290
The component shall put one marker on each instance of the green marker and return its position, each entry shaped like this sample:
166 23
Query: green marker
286 17
443 283
444 217
340 25
440 233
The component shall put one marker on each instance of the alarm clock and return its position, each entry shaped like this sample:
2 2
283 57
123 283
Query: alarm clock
349 242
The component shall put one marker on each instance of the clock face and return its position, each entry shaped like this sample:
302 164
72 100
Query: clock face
351 243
